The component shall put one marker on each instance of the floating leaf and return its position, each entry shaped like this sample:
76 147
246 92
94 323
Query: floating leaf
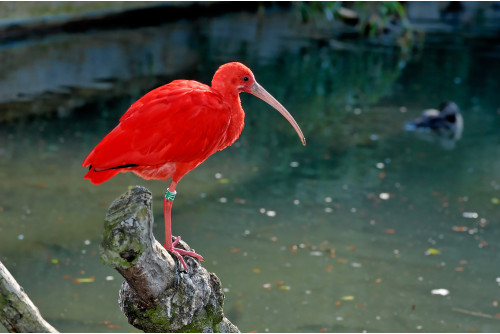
495 200
432 251
90 279
54 261
284 287
347 298
390 231
256 270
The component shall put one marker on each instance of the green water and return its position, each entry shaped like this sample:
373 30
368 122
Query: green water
350 233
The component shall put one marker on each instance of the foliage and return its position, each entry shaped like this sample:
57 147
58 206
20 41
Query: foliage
371 19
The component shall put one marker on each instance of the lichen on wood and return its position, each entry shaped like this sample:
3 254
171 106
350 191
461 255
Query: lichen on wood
17 312
157 295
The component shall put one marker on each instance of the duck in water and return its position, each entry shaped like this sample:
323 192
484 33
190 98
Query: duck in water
446 124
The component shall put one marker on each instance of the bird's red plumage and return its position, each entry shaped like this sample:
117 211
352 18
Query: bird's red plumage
174 128
176 125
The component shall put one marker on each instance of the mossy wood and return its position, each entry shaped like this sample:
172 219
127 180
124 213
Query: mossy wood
157 295
17 312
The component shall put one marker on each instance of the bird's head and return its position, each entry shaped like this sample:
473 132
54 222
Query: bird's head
236 78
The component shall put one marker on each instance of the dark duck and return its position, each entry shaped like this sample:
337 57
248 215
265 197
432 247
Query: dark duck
446 124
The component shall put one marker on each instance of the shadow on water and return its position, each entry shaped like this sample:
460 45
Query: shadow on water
352 232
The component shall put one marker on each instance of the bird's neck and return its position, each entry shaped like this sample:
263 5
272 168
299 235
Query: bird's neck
237 120
223 84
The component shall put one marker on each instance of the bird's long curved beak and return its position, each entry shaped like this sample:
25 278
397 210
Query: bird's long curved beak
262 94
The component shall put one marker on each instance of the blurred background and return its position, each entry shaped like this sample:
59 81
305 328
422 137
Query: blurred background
370 227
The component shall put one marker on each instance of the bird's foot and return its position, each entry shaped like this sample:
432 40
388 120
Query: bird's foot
181 252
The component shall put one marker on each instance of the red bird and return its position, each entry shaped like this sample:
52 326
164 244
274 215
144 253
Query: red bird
172 129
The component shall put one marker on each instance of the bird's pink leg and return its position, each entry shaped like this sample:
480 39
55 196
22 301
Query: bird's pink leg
167 209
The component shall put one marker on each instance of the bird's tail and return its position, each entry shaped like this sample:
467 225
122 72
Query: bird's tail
98 177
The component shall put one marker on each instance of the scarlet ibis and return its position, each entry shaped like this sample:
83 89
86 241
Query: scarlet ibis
172 129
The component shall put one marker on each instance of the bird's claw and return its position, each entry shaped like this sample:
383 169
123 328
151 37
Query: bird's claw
178 252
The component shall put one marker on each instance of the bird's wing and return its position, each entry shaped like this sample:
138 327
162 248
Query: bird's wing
180 122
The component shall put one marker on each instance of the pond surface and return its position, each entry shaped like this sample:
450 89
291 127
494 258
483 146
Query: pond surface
367 228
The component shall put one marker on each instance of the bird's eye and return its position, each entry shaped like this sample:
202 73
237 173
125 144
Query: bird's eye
245 78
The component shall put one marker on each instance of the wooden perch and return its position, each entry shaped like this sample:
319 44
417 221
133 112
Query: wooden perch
157 296
17 312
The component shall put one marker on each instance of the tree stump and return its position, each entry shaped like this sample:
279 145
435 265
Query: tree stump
157 296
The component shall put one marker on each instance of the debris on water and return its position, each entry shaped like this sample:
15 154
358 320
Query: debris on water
296 202
328 210
267 286
20 236
294 164
109 278
284 287
470 215
432 251
218 175
239 201
316 253
380 165
223 200
495 200
328 199
262 210
356 265
441 292
271 213
384 196
482 244
460 228
90 279
87 242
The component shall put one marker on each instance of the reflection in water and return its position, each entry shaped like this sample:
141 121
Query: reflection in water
351 233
